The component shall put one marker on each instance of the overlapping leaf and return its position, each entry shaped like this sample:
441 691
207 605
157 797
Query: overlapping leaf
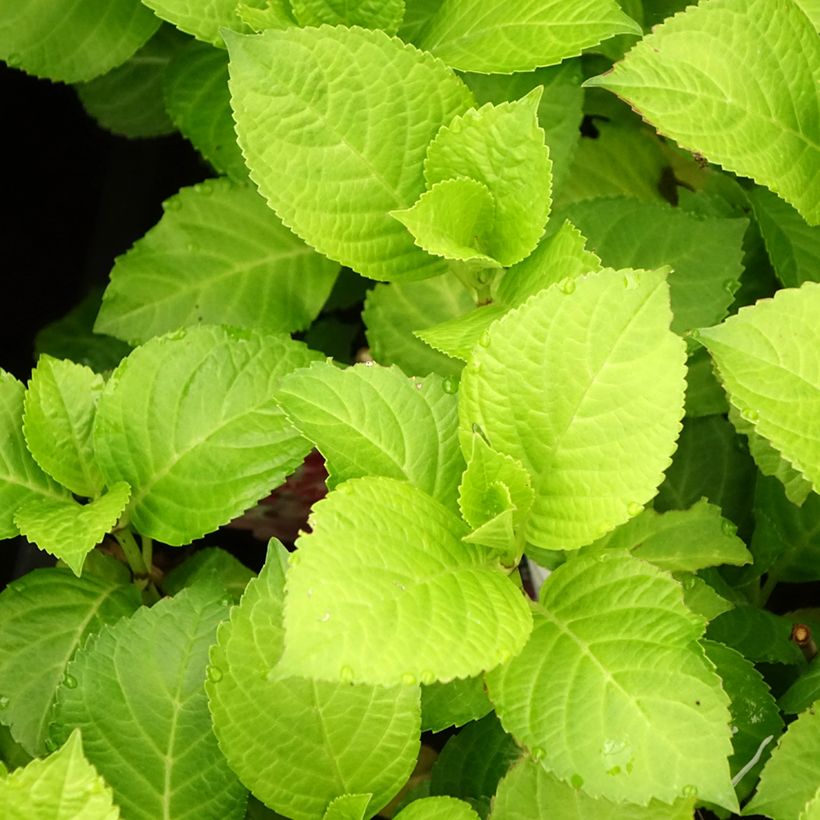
382 14
437 808
202 18
453 703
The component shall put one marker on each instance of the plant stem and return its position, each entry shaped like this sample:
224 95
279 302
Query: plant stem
147 552
125 538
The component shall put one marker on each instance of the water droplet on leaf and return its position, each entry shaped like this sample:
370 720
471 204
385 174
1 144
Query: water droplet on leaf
450 385
408 679
346 674
751 415
576 781
634 508
728 527
567 286
4 702
325 618
484 339
214 674
537 753
70 682
690 791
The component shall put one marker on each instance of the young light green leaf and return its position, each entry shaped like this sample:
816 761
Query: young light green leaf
621 372
757 634
437 808
147 672
63 785
21 479
323 104
205 19
49 39
218 255
751 109
804 691
69 530
442 610
766 358
199 103
790 778
298 743
382 14
348 807
457 337
209 565
191 422
529 790
453 703
613 692
493 38
371 420
45 617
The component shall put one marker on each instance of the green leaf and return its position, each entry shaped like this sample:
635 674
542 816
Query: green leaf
71 43
766 359
705 254
199 103
605 339
209 565
58 417
804 691
348 807
21 479
437 808
191 422
218 255
298 743
757 634
45 617
382 14
613 692
273 14
457 337
790 778
205 19
371 420
702 79
323 104
128 100
704 395
405 600
701 598
811 811
493 38
63 785
530 791
69 530
453 703
147 673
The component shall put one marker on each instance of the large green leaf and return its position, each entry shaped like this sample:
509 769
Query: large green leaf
137 692
220 255
190 421
21 479
298 743
383 590
64 785
734 80
205 19
382 14
500 38
767 359
613 692
323 104
72 43
586 367
44 618
371 420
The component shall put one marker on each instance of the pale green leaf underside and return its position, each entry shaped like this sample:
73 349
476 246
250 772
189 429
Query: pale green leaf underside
60 405
443 609
372 420
21 479
297 744
191 422
69 42
499 38
458 337
147 673
69 530
218 255
322 105
704 79
588 369
46 616
202 18
64 785
382 14
613 691
767 358
438 808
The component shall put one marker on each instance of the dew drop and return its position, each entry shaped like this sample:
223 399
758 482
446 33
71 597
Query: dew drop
734 730
418 385
613 771
690 791
325 618
728 527
346 674
70 682
634 508
408 679
484 339
50 745
214 674
537 753
4 702
576 781
450 385
750 415
567 286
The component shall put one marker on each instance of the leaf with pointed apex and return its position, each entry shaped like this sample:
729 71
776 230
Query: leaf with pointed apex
790 778
453 703
297 743
457 337
705 254
209 565
205 19
147 673
199 103
21 479
63 785
348 807
70 43
437 808
493 38
703 79
372 420
382 14
218 255
437 609
614 691
69 530
606 341
191 422
322 104
767 359
529 790
680 540
45 617
701 598
757 634
804 691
